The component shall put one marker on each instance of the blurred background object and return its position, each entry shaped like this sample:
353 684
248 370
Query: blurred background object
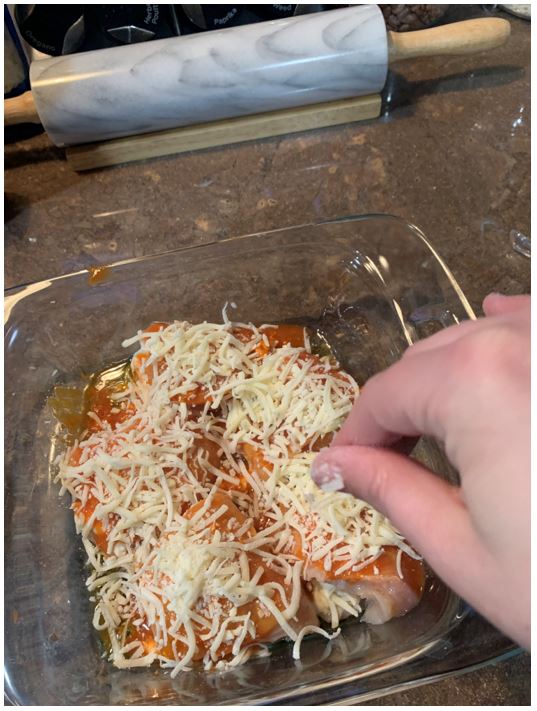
403 18
523 11
520 242
15 60
213 17
51 29
129 24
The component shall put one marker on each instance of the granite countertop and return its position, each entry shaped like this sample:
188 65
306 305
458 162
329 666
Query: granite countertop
451 154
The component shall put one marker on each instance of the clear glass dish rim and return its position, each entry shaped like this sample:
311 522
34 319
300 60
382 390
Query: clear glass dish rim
17 292
430 679
43 283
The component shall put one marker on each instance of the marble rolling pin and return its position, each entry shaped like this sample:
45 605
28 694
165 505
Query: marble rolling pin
235 72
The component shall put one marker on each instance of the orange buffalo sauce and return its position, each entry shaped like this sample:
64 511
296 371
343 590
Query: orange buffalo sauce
257 464
384 567
85 510
97 275
279 336
219 516
230 522
98 530
172 649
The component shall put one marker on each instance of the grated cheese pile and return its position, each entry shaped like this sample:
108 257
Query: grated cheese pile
205 533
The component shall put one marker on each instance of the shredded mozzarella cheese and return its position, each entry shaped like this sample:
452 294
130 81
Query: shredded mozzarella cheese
201 586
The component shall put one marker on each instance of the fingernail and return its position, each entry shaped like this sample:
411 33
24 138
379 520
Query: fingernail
328 477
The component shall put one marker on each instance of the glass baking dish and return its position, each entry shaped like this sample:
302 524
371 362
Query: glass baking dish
371 285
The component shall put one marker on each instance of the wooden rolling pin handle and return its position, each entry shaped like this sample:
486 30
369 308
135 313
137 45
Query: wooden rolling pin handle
20 109
465 37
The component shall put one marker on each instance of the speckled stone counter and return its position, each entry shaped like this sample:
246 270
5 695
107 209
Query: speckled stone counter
451 154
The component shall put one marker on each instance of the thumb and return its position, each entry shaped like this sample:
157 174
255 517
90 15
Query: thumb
428 511
498 304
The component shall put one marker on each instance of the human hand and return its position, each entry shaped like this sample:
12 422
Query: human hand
469 387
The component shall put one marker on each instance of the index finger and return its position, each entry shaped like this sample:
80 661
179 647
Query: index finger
409 399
